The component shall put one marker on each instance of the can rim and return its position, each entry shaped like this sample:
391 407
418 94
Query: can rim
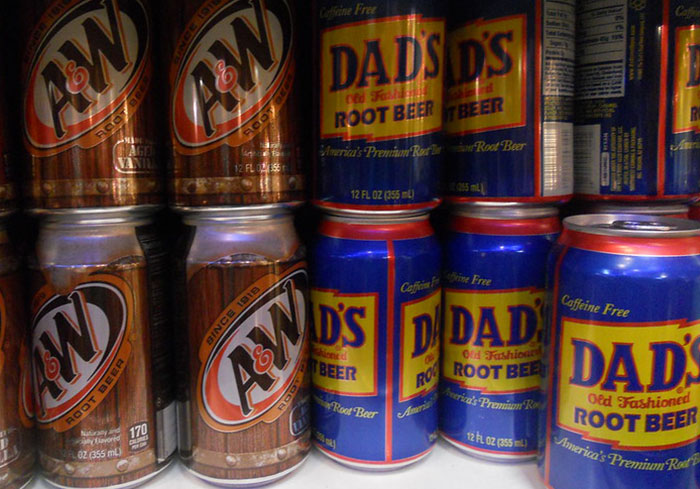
191 215
503 211
605 207
96 216
374 216
632 225
88 211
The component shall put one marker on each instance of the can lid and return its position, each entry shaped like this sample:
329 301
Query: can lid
231 214
632 225
658 209
503 211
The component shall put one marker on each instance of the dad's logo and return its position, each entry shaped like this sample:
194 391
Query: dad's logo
254 356
87 73
80 348
233 74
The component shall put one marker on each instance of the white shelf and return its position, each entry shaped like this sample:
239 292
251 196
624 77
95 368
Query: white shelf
445 468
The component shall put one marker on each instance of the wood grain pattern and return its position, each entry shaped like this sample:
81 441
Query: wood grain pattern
73 458
87 173
263 449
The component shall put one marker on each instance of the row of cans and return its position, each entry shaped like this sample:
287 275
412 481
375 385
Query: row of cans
392 78
387 336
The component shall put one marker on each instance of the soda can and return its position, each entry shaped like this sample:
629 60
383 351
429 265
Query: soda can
89 104
636 134
509 101
16 415
104 398
246 290
379 103
494 294
622 354
234 102
376 309
664 209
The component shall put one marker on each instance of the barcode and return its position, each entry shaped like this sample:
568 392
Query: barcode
587 159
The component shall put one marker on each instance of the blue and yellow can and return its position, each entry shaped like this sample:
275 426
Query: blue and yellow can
509 101
376 305
494 294
622 355
379 103
637 134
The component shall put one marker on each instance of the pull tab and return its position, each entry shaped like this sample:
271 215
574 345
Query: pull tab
630 225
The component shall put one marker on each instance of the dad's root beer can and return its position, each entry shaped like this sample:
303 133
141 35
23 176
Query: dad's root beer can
375 343
494 292
247 295
234 102
509 101
17 406
380 87
637 86
104 400
88 104
622 361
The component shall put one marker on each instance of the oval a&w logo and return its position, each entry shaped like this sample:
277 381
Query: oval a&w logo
87 75
233 75
80 348
255 353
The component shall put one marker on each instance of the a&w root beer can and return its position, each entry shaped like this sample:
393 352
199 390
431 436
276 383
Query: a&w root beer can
234 108
622 361
246 413
88 104
104 401
16 404
376 313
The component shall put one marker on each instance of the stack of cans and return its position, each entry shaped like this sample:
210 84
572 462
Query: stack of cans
104 400
242 282
375 270
509 142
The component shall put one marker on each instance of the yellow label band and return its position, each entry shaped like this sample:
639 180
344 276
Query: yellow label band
686 106
492 339
420 348
344 342
381 79
633 385
487 76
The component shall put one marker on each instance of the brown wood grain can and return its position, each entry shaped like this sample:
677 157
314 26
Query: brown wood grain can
89 104
235 111
104 400
246 412
16 406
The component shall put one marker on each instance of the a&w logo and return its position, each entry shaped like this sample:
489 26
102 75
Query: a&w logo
80 348
254 356
229 78
87 72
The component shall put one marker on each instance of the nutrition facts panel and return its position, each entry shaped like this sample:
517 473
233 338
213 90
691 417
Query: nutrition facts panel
558 47
601 32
